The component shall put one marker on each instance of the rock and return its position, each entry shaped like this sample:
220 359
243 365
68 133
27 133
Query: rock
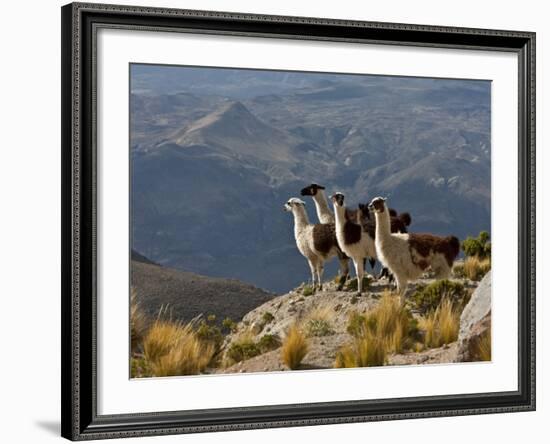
256 327
475 320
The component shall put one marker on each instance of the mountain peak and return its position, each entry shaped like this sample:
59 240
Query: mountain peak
234 128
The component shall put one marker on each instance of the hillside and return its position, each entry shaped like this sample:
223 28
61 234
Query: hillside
188 294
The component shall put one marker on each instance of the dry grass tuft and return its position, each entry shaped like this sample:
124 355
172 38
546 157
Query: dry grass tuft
387 328
441 326
295 347
475 268
390 322
138 321
367 351
173 349
480 349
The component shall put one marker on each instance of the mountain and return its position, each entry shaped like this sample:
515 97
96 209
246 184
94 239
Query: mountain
213 162
187 295
234 128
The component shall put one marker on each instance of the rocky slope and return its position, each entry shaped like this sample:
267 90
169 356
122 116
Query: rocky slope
274 317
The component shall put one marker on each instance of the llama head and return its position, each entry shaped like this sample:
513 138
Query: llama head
311 190
293 202
337 199
378 204
365 210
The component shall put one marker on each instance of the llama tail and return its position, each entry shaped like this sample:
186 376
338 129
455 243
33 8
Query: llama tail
405 218
454 244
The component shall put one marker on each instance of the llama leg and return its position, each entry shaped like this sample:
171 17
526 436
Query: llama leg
344 272
372 262
359 272
320 269
401 288
312 269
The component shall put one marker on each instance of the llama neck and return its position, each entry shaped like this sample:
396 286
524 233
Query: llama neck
339 217
321 206
383 226
300 219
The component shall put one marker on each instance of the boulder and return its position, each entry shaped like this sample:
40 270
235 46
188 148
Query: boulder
475 321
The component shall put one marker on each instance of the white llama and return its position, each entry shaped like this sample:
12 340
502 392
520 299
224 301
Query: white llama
316 242
352 239
408 255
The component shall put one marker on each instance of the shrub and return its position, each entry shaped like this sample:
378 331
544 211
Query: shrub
318 327
441 326
242 349
173 349
230 325
477 246
267 317
210 333
428 297
351 285
318 321
268 342
308 290
294 348
138 321
362 352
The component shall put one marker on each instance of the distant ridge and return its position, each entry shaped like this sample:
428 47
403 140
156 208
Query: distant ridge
138 257
188 295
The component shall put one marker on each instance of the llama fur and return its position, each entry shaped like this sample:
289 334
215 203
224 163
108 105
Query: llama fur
409 255
316 242
352 239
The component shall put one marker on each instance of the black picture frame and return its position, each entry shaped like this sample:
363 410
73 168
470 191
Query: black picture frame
79 396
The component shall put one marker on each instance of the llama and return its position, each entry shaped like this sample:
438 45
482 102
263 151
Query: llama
352 239
326 216
316 242
408 255
399 224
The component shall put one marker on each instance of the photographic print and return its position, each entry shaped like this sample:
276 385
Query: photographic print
297 221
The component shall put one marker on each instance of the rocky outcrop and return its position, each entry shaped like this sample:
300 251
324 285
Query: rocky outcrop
475 321
327 336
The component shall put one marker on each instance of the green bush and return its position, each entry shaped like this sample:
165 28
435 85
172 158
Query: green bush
308 290
230 325
428 297
477 246
267 317
240 351
268 342
319 327
210 333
